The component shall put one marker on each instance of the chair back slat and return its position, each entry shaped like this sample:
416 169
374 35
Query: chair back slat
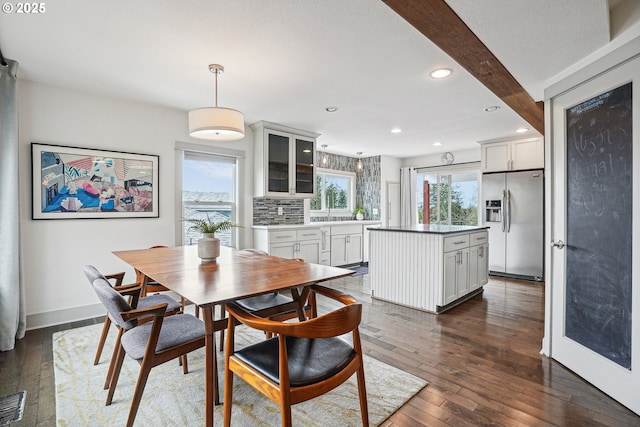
92 273
113 302
332 324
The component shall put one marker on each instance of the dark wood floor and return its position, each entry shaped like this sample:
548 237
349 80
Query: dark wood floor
481 359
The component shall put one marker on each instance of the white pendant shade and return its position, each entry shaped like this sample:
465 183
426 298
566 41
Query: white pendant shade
216 124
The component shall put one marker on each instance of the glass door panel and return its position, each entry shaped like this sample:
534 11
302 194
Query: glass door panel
278 163
304 166
444 198
464 199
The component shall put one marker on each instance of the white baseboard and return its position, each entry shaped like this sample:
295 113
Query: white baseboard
57 317
74 314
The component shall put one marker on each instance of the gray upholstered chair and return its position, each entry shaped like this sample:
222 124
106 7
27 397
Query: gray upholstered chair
306 360
151 343
93 273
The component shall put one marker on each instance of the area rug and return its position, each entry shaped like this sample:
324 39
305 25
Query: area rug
171 398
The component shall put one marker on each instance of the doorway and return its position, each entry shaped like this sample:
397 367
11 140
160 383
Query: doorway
594 221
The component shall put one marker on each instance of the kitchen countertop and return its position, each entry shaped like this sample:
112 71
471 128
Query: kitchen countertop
315 224
431 228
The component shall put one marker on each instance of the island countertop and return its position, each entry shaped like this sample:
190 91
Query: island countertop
430 228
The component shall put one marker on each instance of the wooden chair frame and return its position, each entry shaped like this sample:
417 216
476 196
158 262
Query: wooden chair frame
119 278
341 321
118 286
282 312
151 357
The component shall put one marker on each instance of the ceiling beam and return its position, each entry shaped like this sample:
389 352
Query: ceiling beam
440 24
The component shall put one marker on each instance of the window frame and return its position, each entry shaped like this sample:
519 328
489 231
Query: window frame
230 156
351 193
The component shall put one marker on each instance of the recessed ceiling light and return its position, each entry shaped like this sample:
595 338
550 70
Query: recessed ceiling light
331 109
492 108
437 144
441 73
521 130
396 130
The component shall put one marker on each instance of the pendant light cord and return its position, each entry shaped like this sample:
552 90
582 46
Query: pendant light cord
216 73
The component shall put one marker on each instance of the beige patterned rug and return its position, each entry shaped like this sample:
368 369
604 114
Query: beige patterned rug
173 399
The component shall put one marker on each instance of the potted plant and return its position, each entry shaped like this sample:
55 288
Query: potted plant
359 213
209 244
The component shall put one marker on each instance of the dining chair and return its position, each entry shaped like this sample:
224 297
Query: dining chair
151 343
306 359
93 273
273 305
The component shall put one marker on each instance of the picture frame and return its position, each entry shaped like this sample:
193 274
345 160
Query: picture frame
77 182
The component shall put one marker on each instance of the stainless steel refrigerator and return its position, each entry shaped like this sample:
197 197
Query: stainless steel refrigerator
514 213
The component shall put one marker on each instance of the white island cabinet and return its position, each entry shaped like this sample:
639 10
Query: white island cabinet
429 267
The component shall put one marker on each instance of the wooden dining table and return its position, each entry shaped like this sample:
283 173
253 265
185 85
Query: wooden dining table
236 274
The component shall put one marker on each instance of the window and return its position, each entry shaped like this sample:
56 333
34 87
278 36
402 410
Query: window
450 197
335 192
208 189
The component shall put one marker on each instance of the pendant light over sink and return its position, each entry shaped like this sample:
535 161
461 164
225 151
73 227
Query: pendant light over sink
359 162
216 123
324 154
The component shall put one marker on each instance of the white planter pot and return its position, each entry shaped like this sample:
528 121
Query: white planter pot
208 247
359 216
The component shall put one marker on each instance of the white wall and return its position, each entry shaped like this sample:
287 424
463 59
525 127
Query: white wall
389 172
462 156
54 251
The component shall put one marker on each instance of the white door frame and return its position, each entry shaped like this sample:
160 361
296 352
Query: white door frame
620 383
391 185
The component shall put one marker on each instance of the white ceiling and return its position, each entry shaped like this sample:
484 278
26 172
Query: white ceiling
286 60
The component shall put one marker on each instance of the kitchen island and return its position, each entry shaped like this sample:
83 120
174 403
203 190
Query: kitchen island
428 267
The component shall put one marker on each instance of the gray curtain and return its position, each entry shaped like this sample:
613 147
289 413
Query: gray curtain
408 203
12 304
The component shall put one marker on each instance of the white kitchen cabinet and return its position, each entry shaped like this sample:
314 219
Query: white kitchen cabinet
478 260
456 268
519 154
302 243
284 161
325 246
346 244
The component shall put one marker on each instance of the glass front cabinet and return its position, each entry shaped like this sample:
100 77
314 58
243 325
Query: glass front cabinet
284 161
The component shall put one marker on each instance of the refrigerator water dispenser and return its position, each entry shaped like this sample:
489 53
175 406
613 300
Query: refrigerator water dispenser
493 211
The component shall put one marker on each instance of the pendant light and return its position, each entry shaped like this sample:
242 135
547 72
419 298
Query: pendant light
324 154
216 123
359 162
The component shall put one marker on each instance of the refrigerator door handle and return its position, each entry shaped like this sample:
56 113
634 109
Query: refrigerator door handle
504 212
508 210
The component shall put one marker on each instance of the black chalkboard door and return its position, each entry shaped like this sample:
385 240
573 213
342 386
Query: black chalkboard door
599 224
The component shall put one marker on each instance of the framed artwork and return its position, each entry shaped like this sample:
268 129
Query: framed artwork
74 182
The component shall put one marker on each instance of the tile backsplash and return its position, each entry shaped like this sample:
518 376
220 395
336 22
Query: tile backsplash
265 211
